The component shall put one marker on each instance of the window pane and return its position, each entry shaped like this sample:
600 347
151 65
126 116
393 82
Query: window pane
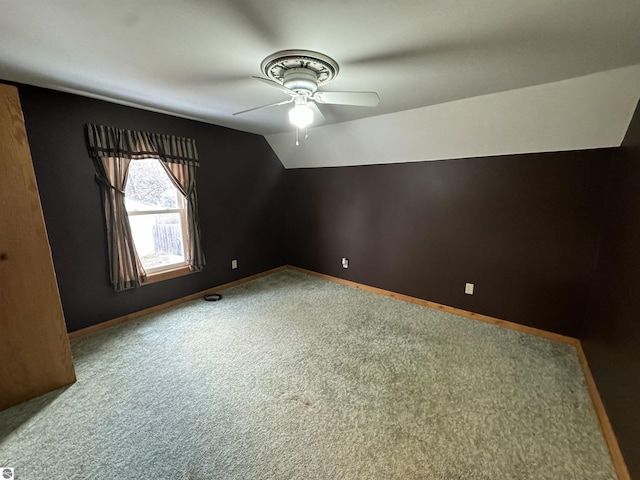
149 187
158 239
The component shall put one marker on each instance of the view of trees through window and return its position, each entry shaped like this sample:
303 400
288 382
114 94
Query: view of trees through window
156 215
148 184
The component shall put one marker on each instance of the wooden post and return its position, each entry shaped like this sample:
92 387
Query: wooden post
35 356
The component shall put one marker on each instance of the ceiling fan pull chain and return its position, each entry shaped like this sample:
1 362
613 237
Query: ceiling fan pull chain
297 142
306 133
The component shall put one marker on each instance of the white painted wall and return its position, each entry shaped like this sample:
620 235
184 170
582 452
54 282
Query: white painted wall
587 112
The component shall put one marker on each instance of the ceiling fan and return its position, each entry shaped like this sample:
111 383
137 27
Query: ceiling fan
299 73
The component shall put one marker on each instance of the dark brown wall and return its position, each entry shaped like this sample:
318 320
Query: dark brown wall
238 192
523 228
611 335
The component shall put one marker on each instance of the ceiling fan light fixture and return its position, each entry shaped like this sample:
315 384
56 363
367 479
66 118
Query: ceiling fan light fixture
301 115
298 73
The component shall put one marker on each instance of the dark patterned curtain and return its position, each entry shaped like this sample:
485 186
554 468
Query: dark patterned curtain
183 176
112 149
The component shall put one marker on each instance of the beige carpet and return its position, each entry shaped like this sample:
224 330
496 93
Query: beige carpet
293 377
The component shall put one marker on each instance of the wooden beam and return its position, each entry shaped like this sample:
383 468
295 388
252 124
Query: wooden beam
35 357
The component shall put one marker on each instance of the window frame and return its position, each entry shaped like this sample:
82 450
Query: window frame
165 272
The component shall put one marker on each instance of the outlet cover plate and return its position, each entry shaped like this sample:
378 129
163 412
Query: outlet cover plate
468 288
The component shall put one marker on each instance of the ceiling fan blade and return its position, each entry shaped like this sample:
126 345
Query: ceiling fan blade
318 117
359 99
271 83
265 106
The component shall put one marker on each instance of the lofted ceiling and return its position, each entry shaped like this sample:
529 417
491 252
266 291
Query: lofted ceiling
195 58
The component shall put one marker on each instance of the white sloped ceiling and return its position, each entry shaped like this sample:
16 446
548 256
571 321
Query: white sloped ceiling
587 112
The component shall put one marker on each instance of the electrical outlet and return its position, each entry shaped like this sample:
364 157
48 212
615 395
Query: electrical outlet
345 262
234 264
468 288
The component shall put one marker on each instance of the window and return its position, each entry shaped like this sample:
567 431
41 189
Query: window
157 216
138 194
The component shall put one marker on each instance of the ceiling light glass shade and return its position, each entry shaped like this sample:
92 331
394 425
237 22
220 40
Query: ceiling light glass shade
301 116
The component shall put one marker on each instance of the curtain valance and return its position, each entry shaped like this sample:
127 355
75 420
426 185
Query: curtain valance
112 150
107 141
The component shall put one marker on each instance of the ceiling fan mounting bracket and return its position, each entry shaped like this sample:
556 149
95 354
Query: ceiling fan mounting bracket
279 66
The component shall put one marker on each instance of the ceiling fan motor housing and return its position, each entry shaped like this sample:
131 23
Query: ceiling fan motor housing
301 80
